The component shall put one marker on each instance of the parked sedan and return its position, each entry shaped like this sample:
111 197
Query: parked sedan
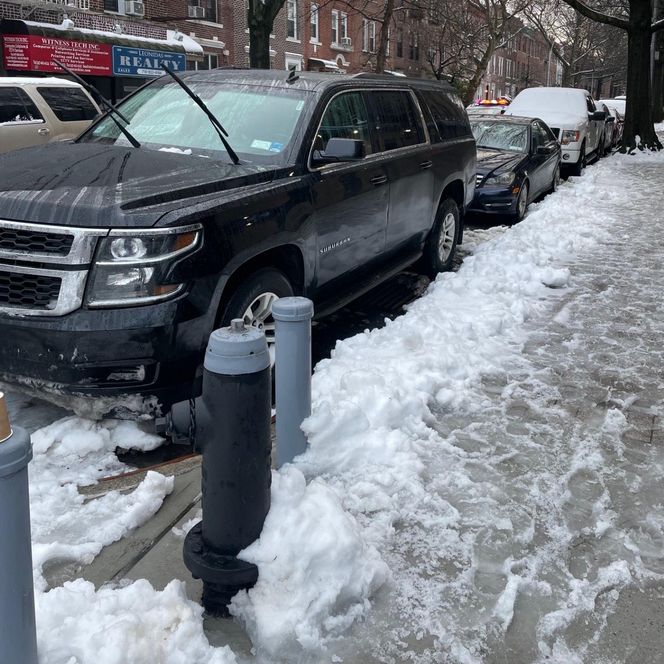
518 159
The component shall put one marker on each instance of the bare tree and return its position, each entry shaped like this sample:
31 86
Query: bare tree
636 19
260 20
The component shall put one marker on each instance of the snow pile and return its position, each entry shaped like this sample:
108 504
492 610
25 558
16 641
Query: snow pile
316 570
133 624
73 452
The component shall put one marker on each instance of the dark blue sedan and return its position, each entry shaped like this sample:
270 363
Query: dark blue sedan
518 159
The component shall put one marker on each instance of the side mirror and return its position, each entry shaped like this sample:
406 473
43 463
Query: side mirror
598 115
544 149
339 150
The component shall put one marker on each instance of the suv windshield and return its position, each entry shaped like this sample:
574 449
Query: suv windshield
260 121
500 136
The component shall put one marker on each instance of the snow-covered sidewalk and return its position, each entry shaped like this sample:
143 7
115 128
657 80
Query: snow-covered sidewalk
483 476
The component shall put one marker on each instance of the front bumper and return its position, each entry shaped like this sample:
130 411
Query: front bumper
570 156
136 361
494 200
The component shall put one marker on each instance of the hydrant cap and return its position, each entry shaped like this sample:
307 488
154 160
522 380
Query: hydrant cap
15 452
292 309
234 351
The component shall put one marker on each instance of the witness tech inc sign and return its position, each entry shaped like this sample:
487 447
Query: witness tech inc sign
144 62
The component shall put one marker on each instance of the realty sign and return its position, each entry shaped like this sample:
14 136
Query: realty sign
144 62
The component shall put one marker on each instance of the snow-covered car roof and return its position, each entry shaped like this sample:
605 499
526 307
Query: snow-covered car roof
36 80
551 100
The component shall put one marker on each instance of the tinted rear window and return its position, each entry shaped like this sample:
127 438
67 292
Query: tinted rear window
397 122
16 106
69 104
448 114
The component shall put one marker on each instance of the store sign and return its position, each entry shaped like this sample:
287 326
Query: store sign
144 62
36 53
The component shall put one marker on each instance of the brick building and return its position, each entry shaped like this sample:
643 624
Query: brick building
526 61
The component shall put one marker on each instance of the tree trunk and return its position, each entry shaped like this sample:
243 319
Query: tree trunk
638 113
260 19
658 68
381 56
480 69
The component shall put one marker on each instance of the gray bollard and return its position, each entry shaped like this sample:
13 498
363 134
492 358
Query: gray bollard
18 638
233 434
292 316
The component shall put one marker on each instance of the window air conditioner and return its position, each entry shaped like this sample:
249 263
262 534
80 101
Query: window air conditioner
346 41
134 8
196 12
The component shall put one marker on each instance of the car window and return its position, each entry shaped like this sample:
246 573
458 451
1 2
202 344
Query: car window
448 114
398 123
69 104
261 121
345 117
540 135
591 105
16 106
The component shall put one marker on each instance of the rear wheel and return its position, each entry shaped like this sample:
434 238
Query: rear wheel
253 299
441 245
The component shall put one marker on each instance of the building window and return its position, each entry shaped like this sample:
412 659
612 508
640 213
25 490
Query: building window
343 20
399 43
116 6
368 36
335 26
291 19
209 62
314 23
414 46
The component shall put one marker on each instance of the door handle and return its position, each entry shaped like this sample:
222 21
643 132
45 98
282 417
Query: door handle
43 131
426 164
379 179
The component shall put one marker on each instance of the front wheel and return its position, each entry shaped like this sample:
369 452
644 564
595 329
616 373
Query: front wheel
577 169
522 202
253 299
441 245
555 183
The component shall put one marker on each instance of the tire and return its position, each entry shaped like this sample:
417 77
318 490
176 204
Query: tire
252 301
555 183
441 245
522 202
578 168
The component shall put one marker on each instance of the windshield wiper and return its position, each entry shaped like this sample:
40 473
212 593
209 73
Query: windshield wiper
110 109
213 119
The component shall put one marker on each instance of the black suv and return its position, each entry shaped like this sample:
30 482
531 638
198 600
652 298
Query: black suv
121 251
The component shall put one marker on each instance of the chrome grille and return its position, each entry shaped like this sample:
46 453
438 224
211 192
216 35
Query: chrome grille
14 239
44 268
29 290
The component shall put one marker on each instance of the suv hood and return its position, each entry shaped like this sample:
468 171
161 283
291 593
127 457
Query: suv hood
93 185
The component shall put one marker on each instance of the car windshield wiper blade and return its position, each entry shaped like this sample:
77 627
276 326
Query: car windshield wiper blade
213 119
110 109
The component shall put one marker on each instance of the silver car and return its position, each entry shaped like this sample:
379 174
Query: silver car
35 111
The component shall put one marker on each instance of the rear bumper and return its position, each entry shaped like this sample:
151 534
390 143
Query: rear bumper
135 361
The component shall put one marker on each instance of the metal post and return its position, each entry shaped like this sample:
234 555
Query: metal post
292 316
233 434
18 639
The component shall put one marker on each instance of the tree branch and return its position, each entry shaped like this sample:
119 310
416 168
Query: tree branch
600 17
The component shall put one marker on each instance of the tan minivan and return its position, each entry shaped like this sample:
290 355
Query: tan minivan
34 111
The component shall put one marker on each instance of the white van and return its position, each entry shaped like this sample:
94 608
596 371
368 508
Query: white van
572 116
34 111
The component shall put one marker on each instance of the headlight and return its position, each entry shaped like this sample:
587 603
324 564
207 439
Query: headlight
502 180
569 136
132 267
